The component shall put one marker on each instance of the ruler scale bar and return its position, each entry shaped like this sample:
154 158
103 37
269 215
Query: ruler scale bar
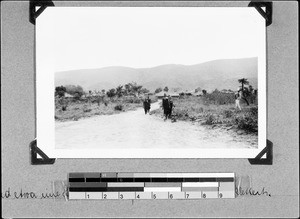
126 184
162 189
106 189
94 185
201 184
208 179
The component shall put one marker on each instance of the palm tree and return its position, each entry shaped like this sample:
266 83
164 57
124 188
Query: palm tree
243 81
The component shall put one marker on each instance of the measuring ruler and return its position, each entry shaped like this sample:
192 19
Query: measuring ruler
136 186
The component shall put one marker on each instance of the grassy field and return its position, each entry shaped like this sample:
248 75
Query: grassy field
207 112
71 109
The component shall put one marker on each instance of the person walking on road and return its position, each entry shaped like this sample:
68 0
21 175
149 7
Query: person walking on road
166 106
148 100
171 105
147 104
238 97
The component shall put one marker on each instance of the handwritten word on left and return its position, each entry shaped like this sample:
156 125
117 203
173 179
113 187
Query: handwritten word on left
22 194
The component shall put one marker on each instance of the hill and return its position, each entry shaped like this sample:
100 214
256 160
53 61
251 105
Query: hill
220 74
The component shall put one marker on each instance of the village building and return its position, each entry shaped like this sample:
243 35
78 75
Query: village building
197 94
225 91
161 94
186 93
68 96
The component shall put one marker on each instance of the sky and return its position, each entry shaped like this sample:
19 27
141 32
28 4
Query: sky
140 37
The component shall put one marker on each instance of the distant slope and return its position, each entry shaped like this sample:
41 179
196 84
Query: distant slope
220 74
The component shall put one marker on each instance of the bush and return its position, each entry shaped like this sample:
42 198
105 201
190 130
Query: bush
181 113
209 119
248 121
133 100
228 113
254 111
119 107
87 110
217 97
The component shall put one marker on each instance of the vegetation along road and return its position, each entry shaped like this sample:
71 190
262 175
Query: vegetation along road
134 129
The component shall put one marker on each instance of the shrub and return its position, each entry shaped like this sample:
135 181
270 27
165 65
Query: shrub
228 113
119 107
75 118
60 91
133 100
87 110
217 97
136 100
254 111
209 119
248 121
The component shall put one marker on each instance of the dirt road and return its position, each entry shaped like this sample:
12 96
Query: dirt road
134 129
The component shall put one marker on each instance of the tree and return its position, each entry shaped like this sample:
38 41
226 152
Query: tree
60 91
144 90
135 88
166 89
119 91
216 91
99 99
243 81
252 95
157 90
204 92
198 89
176 89
76 91
251 89
77 95
111 93
246 92
128 88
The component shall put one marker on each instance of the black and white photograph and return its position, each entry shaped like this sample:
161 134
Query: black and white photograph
149 109
151 82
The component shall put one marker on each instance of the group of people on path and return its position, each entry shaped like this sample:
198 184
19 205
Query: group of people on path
167 105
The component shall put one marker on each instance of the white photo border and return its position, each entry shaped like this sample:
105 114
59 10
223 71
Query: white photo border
45 124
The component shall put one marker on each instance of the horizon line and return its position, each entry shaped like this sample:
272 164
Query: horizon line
110 66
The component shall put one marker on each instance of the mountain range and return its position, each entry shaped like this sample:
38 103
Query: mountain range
218 74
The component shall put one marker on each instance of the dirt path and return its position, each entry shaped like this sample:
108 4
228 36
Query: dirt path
134 129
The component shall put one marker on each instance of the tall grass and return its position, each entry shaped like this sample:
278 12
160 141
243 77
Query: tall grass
74 109
206 112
